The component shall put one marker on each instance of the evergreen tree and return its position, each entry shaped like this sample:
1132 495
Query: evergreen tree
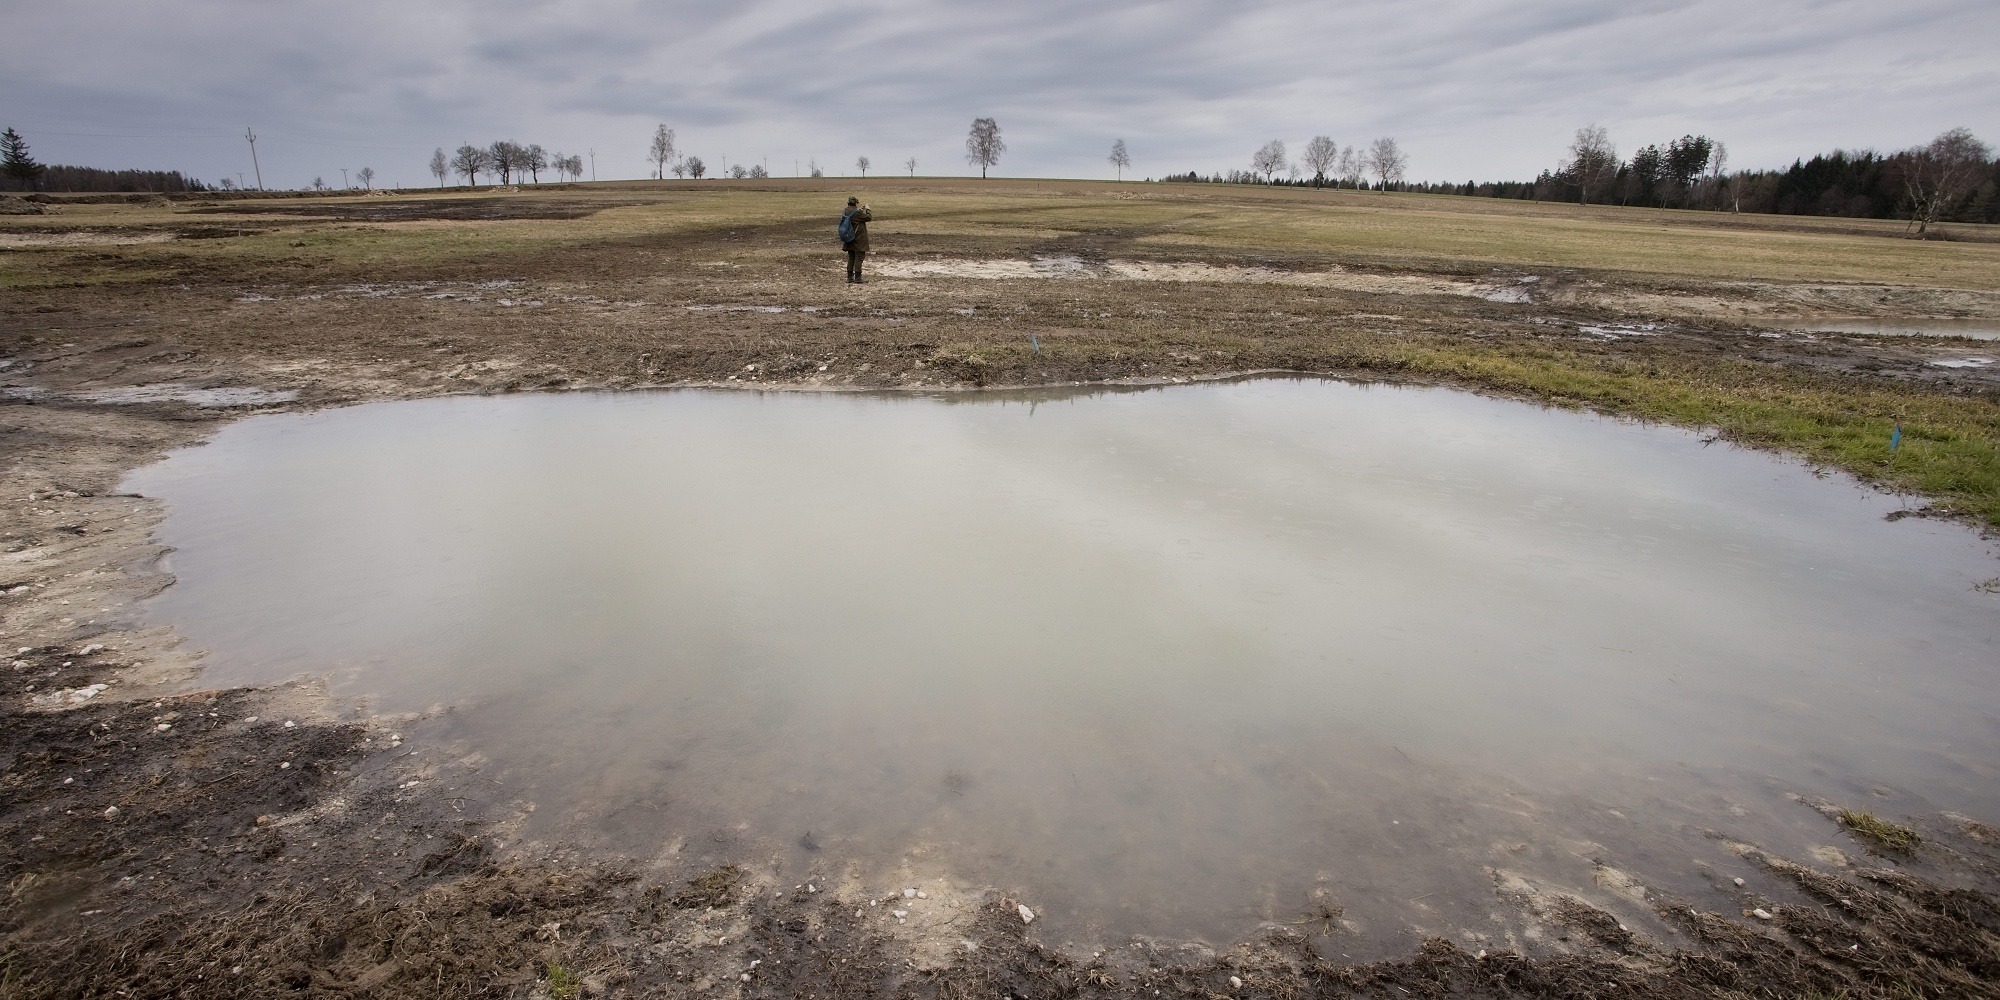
15 161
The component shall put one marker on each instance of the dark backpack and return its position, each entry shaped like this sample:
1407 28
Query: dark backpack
847 226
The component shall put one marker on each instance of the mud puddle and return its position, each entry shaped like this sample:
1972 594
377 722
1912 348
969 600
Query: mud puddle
1971 329
1171 662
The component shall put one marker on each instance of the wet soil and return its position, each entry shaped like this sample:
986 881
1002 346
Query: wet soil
312 851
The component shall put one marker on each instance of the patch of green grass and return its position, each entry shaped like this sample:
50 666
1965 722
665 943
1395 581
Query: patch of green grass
1880 832
563 984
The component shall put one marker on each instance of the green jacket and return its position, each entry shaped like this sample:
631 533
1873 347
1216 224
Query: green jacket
860 217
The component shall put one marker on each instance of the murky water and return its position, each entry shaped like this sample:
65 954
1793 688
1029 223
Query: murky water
1164 661
1974 329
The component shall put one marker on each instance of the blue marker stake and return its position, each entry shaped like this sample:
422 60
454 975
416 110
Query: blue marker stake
1037 343
1896 437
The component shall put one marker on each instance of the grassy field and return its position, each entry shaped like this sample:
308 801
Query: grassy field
1705 280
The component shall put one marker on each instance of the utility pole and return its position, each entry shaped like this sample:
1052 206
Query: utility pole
343 178
252 136
593 166
239 178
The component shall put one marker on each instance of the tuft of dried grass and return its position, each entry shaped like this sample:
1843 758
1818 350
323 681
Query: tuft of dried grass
1880 832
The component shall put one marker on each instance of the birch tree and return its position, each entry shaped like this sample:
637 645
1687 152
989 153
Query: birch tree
1322 155
911 165
1353 167
1386 161
863 163
440 166
661 151
1119 158
1269 160
1592 160
1940 173
983 145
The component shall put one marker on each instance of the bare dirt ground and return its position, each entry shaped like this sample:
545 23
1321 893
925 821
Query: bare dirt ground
165 841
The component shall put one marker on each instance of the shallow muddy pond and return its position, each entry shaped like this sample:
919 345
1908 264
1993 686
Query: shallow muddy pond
1172 661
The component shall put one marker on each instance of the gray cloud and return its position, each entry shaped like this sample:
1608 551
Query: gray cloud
1474 88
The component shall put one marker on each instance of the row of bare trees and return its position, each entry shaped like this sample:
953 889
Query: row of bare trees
510 161
1329 162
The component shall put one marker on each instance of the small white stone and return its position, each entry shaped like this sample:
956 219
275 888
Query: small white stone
290 724
251 719
163 727
286 766
1235 983
909 893
745 977
1027 915
1738 881
110 812
811 888
900 914
68 781
1761 913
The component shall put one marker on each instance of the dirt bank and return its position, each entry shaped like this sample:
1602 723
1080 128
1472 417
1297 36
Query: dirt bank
163 841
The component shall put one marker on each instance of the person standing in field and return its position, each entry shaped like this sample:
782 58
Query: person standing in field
854 237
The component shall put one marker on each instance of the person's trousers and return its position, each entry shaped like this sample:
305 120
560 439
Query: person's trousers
854 265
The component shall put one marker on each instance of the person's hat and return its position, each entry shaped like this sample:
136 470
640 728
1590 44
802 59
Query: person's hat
854 201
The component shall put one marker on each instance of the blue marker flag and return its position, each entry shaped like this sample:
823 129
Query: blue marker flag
1896 437
1037 343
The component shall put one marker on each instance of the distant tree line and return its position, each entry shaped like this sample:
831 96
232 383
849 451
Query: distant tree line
20 172
1330 165
63 178
1953 178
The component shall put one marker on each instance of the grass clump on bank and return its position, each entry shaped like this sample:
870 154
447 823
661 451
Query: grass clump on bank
1880 832
715 889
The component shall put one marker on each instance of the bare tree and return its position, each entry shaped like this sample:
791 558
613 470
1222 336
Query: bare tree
502 158
1322 155
1119 158
813 169
910 165
440 167
758 173
1386 160
367 176
661 151
1593 160
319 184
983 144
680 169
536 160
1352 167
573 166
469 163
695 167
863 163
1939 173
1718 175
1269 160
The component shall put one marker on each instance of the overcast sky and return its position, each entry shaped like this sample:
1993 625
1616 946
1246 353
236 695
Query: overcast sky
1485 89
